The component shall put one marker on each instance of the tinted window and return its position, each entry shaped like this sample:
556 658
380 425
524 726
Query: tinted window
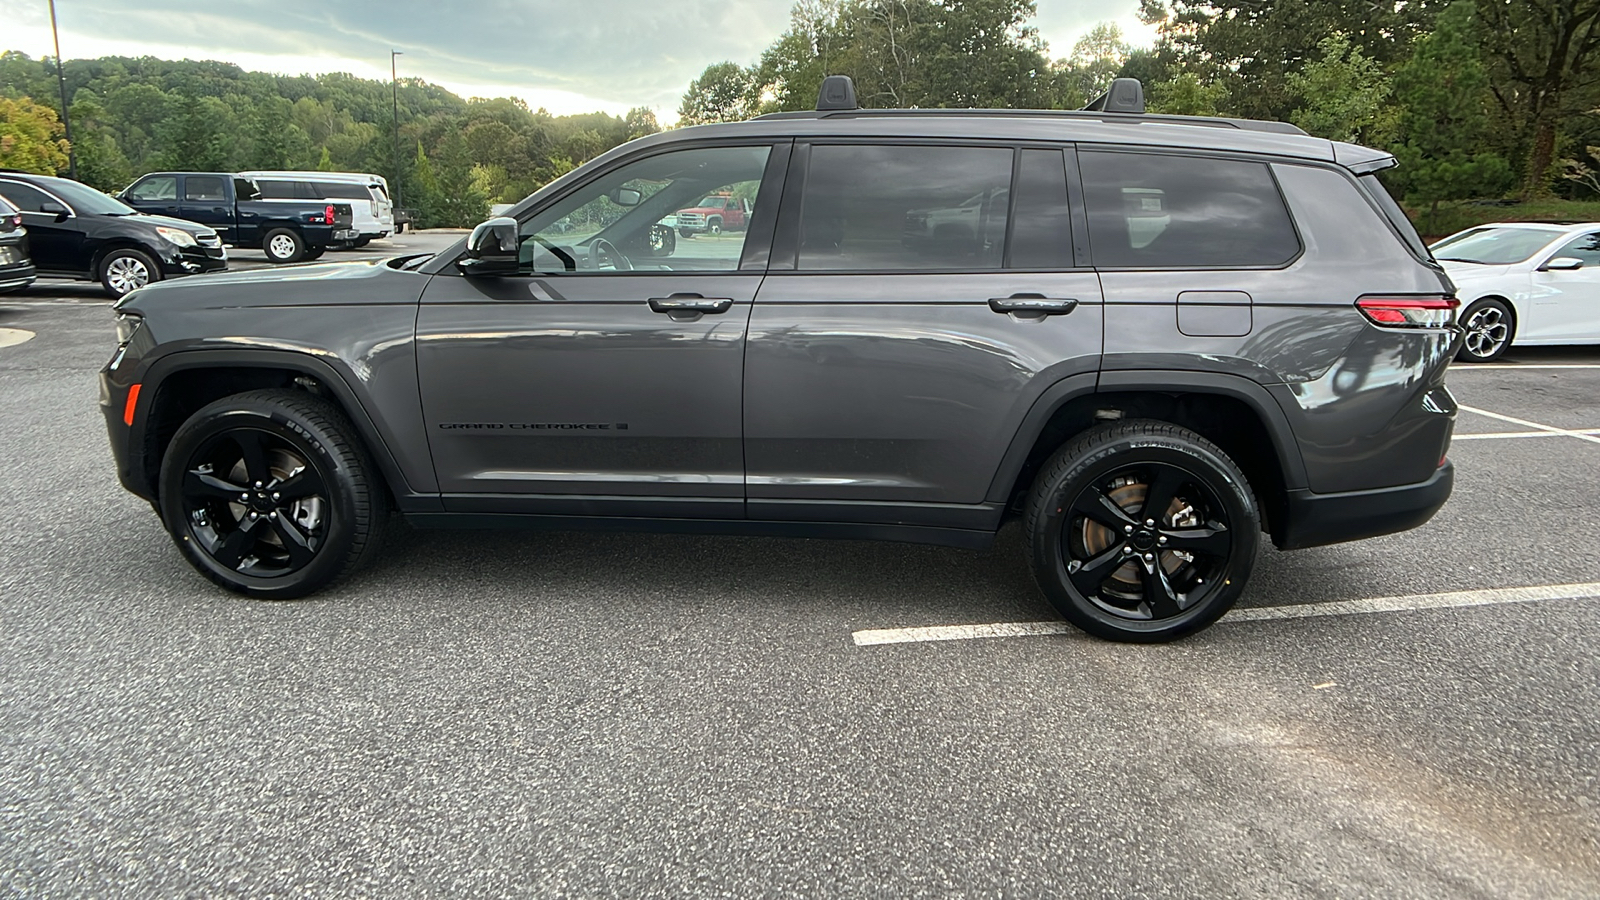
272 189
889 208
1041 236
1586 248
160 187
626 212
203 188
1152 211
342 191
23 197
245 189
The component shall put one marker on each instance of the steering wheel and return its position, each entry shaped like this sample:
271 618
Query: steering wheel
602 250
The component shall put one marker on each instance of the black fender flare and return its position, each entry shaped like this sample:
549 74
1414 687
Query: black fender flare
159 370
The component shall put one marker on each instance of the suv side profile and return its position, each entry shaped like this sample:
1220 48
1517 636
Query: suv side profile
1152 340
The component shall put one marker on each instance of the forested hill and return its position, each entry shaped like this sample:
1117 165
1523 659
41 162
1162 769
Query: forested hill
131 116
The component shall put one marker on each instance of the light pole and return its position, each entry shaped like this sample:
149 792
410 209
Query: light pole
61 82
394 84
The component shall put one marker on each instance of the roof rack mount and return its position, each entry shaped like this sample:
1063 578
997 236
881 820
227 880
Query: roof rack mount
1126 95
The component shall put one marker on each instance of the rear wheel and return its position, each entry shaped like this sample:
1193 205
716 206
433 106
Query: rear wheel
127 270
1142 531
283 245
1489 325
269 493
315 254
361 242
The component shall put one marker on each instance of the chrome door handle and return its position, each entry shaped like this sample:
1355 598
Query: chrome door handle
690 303
1038 304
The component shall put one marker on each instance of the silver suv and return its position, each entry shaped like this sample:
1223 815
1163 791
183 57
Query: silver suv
1148 339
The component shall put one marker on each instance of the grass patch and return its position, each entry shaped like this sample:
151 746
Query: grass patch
1453 217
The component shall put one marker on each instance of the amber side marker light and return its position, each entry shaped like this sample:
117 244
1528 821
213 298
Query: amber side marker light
133 401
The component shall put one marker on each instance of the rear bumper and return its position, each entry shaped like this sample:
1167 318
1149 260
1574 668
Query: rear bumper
16 277
1312 520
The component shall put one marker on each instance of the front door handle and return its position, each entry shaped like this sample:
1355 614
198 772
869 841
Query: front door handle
1038 304
690 303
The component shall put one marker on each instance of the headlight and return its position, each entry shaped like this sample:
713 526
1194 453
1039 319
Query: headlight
176 237
127 324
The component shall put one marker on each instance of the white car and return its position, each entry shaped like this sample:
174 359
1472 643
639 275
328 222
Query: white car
1527 282
367 194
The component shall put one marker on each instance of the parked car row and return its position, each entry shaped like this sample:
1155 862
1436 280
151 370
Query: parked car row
286 230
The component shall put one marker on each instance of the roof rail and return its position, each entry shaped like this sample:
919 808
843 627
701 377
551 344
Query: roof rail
1118 118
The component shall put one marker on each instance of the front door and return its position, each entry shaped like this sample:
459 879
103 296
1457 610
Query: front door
606 378
205 201
917 307
1566 302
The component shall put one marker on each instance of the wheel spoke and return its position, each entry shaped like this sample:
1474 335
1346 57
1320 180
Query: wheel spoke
1089 576
294 541
255 458
1158 591
232 550
302 484
1100 508
199 486
1163 487
1212 539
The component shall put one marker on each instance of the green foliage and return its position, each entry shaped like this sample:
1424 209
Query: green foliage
1340 95
1184 94
720 94
30 137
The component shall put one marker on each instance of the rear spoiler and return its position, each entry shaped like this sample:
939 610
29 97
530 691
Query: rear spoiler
1362 160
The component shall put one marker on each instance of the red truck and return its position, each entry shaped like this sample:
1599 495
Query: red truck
714 215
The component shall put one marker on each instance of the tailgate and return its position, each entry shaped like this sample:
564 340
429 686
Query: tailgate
343 216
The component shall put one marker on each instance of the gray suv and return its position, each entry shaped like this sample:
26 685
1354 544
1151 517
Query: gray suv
1151 339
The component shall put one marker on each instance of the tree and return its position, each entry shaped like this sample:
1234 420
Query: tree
325 162
101 164
1442 91
1543 57
1185 94
720 94
1096 59
30 137
640 121
423 189
192 139
1340 95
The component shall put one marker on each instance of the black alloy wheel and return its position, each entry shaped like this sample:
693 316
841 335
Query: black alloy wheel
1142 531
267 493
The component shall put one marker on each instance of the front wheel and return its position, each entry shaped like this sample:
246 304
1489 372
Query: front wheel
269 493
127 270
1489 326
281 245
1142 531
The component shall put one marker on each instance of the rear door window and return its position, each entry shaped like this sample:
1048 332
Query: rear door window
1157 211
203 188
899 208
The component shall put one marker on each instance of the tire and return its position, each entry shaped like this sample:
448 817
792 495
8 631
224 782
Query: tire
126 270
714 227
1489 325
324 523
1101 577
314 254
685 233
283 245
361 242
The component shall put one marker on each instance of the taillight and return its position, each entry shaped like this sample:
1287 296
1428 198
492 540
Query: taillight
329 213
1409 312
16 220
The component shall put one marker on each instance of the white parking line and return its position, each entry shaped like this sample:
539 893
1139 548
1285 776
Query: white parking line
1500 435
1451 600
1526 424
1473 368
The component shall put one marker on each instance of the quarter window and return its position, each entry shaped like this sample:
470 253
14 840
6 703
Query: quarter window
1157 211
889 208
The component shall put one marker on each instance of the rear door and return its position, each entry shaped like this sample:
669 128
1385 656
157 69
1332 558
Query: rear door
55 242
916 308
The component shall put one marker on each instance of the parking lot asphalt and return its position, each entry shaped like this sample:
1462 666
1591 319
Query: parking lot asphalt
489 713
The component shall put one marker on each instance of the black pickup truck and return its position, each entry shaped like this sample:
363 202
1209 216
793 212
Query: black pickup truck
286 230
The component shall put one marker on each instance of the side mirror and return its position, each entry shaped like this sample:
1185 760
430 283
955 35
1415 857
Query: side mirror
626 197
52 208
493 249
1562 264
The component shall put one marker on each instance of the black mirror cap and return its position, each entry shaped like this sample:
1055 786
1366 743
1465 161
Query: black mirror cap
1126 95
837 93
493 248
52 208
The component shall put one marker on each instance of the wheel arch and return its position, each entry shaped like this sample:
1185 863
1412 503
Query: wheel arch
1233 412
112 245
181 383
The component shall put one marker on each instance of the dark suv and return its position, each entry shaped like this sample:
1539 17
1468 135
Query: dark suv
1149 338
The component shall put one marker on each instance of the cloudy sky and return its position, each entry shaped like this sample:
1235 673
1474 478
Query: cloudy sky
567 57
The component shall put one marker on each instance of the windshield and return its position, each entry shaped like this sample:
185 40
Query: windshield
1494 246
85 200
716 202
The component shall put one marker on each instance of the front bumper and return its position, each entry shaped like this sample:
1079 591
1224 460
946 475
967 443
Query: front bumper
176 261
1312 520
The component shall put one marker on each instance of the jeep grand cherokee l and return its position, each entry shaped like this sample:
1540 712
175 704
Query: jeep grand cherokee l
1159 338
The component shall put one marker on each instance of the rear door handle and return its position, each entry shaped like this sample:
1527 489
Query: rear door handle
690 303
1037 304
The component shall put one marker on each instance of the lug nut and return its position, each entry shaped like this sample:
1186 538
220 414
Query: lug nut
1149 556
1147 522
1127 529
1162 539
258 485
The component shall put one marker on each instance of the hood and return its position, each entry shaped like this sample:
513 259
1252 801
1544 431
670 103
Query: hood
194 228
325 284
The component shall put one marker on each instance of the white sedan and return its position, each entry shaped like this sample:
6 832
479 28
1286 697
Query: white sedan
1526 282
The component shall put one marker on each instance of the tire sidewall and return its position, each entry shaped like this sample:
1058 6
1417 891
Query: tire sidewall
1218 473
308 439
299 246
1477 306
149 264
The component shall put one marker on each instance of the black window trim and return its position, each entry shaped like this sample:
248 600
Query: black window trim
786 252
71 213
1263 159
